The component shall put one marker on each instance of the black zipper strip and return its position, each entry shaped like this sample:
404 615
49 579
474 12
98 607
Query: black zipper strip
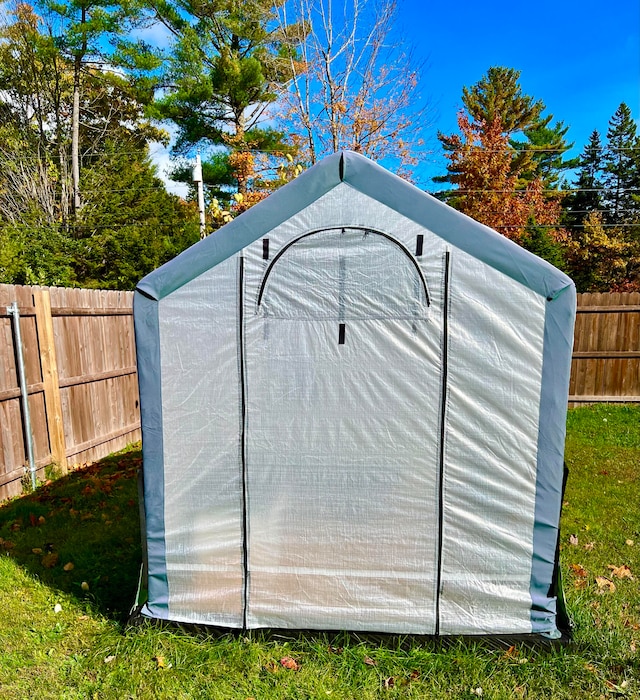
403 248
243 450
443 415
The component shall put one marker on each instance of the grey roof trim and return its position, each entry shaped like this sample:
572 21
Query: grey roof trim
370 179
458 229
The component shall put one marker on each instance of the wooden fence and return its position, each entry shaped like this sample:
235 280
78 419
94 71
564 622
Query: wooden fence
79 354
79 358
606 350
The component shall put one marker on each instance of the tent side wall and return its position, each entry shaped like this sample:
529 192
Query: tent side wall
556 369
149 380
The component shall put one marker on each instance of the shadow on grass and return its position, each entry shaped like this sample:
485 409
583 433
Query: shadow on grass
81 533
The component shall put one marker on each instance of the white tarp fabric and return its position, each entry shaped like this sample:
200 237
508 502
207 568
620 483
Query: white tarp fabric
350 425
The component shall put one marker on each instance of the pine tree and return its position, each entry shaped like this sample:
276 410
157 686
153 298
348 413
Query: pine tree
622 168
587 196
497 99
229 61
502 182
498 95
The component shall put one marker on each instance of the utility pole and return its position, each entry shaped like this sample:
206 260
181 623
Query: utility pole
197 178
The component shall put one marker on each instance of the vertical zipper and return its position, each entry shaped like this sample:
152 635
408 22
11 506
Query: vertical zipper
443 416
243 448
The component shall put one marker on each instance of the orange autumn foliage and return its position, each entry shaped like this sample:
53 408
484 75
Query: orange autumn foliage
490 189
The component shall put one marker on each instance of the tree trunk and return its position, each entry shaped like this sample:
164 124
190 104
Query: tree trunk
75 121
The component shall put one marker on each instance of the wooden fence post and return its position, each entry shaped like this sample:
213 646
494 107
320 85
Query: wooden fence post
52 400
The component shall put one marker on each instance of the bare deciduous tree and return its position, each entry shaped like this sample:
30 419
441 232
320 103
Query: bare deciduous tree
355 85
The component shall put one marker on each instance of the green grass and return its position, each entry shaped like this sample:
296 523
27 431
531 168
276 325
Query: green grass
60 639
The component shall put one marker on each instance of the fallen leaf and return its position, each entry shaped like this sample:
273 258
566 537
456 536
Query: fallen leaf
580 584
84 585
32 519
369 661
271 667
578 570
389 682
69 566
335 650
49 560
290 663
620 689
109 659
477 691
573 539
605 583
36 550
160 662
510 652
57 608
42 520
589 546
620 571
629 543
414 675
632 647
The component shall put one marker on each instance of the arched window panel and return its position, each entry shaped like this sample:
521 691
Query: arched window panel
344 274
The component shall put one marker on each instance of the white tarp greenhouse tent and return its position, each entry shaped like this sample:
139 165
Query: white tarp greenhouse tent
353 410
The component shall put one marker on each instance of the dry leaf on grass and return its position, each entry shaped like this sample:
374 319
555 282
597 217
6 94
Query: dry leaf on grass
69 566
289 663
578 570
510 653
573 539
369 661
49 560
629 543
589 546
620 571
161 663
389 682
605 583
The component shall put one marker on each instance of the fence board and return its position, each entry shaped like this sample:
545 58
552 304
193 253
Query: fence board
606 358
89 333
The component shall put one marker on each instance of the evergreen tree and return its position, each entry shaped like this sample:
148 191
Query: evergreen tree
622 168
502 182
498 94
497 100
92 34
229 62
540 241
587 196
546 146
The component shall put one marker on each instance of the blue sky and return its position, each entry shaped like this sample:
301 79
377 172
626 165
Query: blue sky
582 59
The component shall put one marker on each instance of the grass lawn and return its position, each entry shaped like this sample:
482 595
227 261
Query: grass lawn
69 562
